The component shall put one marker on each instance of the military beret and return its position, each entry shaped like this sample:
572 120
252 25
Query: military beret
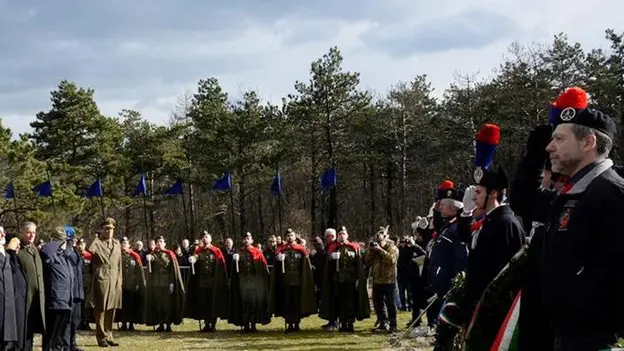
572 107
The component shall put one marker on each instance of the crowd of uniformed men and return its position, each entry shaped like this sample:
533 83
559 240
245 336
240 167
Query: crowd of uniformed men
567 197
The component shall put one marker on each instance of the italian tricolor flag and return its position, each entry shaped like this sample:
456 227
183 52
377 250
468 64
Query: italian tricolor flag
507 337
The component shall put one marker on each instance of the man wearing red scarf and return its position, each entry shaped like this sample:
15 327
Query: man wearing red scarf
292 287
345 295
249 287
133 287
165 290
208 287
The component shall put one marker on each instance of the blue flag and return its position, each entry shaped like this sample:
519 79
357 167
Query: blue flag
276 186
224 183
9 192
141 188
328 179
176 188
95 190
44 189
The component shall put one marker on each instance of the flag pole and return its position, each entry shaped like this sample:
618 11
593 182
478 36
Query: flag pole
17 220
186 224
145 215
102 206
51 192
279 199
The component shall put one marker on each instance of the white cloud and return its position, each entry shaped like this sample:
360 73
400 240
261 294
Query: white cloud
147 64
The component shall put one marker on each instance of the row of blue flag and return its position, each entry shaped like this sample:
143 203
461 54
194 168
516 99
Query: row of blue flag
327 180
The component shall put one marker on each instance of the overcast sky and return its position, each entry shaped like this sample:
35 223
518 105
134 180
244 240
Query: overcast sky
145 54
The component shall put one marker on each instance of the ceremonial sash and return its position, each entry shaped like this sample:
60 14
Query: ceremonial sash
507 337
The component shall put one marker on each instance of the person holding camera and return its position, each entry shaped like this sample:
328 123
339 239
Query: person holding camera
382 257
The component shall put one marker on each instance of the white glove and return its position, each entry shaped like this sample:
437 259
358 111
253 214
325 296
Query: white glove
171 288
136 288
132 263
280 257
423 223
192 259
430 213
236 257
335 255
469 204
149 257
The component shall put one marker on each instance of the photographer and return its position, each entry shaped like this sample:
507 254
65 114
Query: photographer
382 258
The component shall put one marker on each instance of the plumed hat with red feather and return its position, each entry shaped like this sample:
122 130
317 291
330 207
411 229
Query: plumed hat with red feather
486 142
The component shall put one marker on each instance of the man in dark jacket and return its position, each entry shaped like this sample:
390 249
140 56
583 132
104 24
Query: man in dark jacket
75 262
500 234
8 328
30 260
581 262
59 287
448 257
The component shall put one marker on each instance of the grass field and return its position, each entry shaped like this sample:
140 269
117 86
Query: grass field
269 337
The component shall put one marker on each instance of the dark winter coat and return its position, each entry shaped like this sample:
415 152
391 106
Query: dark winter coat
448 256
582 249
19 294
31 264
58 277
8 330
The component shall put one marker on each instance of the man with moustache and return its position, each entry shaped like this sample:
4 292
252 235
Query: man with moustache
581 260
106 282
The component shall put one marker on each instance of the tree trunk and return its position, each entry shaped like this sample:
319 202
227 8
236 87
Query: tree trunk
373 198
389 195
241 202
260 214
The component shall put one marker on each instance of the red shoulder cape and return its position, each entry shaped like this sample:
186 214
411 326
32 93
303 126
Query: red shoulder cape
299 248
256 254
335 245
215 251
136 256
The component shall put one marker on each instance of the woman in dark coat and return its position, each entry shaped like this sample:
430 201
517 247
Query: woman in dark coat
19 291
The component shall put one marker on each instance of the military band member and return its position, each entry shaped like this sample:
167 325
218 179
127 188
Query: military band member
207 297
345 295
133 288
292 286
165 290
249 287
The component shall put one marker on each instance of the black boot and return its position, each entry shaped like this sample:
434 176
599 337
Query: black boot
161 328
123 327
168 330
297 327
350 328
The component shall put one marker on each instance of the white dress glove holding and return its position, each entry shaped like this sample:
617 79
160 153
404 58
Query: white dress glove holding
236 257
192 259
149 257
281 257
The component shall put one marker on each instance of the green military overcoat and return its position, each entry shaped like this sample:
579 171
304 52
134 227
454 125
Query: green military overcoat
106 270
32 268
